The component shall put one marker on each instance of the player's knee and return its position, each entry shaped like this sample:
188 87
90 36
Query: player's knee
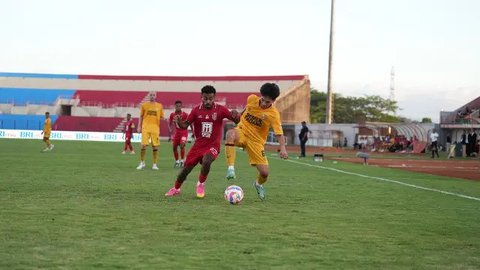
231 134
264 174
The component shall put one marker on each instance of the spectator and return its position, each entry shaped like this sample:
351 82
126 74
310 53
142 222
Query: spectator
472 138
303 137
434 143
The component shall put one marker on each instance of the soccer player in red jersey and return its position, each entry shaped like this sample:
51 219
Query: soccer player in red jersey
178 135
128 132
207 121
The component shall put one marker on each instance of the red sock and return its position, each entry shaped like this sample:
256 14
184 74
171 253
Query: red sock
178 184
125 148
175 152
202 178
130 146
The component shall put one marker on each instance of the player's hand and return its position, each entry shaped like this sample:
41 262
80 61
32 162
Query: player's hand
41 133
235 115
169 139
283 154
139 129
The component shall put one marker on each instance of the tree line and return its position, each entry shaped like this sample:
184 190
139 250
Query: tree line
369 108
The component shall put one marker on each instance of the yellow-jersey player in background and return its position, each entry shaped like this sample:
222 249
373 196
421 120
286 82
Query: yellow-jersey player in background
47 129
149 125
252 131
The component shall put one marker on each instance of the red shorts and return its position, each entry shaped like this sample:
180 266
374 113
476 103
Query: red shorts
128 138
195 155
179 139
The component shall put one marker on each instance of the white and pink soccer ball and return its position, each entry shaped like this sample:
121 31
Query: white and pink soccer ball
233 194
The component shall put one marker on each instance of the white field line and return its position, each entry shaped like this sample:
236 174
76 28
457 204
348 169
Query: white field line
386 180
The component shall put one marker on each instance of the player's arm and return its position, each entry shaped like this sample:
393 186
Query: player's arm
139 128
140 119
170 123
283 150
234 116
181 123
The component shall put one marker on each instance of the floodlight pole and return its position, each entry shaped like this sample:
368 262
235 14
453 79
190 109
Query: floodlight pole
329 113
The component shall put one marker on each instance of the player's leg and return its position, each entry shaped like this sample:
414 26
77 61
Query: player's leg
47 143
175 152
262 177
145 142
257 158
129 144
125 145
182 176
193 158
206 162
183 141
155 144
233 138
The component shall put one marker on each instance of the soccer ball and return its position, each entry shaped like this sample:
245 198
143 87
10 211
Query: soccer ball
233 194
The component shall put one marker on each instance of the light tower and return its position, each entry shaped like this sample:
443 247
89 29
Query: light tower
329 111
392 84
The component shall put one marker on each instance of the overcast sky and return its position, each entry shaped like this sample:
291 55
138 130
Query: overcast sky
433 45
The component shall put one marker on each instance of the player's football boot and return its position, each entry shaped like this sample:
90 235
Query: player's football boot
177 164
155 167
141 165
123 152
51 147
133 152
230 174
172 192
260 190
182 163
200 190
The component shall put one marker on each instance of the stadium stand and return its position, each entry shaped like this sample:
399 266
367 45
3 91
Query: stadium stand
99 102
24 96
30 122
100 124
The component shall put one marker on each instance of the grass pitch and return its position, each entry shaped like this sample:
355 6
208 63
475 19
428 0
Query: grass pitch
84 206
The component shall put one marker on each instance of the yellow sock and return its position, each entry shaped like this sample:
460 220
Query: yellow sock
142 154
231 154
48 143
261 180
155 156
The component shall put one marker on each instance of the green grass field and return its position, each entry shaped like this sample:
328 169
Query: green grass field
84 206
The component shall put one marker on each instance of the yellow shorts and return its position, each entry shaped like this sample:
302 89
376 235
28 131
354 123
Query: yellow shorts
255 150
150 137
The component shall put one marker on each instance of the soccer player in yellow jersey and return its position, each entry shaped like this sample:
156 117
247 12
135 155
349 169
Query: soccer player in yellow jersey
252 131
47 129
149 125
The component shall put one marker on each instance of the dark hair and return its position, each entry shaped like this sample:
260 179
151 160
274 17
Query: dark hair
129 114
270 90
208 89
178 101
304 123
47 113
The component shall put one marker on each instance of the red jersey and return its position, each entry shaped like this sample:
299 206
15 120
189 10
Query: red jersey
177 131
208 125
129 127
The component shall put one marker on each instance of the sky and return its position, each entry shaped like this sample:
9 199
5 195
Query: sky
433 46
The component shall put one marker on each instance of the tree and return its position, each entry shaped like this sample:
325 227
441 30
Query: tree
353 109
426 120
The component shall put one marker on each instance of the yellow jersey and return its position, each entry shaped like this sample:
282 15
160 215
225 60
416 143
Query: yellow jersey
151 113
47 126
255 122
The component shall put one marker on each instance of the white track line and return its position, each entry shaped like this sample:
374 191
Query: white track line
386 180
